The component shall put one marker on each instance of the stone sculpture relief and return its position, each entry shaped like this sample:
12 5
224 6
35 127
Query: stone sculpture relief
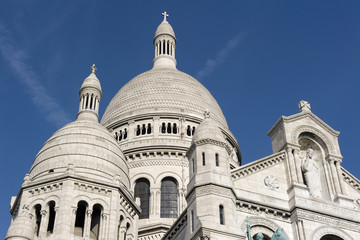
271 182
357 204
311 174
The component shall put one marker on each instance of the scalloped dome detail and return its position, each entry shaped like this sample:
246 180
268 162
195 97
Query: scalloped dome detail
88 147
162 91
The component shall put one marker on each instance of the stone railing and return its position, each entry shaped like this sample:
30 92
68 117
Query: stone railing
257 165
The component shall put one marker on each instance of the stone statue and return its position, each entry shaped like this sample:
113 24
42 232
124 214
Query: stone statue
278 235
311 174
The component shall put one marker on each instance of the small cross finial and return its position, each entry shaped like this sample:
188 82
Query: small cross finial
93 68
165 15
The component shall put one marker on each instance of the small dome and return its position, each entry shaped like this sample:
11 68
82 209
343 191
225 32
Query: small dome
164 28
91 81
208 129
85 148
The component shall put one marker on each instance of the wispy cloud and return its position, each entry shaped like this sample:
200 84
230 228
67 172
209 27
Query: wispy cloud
18 61
220 57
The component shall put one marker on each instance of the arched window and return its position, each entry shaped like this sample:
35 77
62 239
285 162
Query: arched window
91 102
80 219
116 136
37 209
142 191
192 221
217 159
203 158
149 128
125 133
143 129
163 128
164 47
175 129
120 135
95 222
193 131
331 237
121 220
127 229
193 165
169 128
169 195
221 215
51 222
138 130
188 130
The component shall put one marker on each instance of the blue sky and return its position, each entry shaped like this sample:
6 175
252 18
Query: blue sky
257 58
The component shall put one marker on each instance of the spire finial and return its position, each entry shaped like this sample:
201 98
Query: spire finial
165 15
93 69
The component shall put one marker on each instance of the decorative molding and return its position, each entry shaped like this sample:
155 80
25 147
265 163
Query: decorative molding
177 227
257 165
45 189
209 141
271 182
263 210
127 206
316 217
350 179
324 230
208 189
92 189
147 163
305 128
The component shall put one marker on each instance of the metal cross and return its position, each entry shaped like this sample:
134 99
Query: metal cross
165 15
93 68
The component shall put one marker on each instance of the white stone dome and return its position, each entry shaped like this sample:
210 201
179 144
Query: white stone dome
89 149
164 28
91 82
164 90
208 129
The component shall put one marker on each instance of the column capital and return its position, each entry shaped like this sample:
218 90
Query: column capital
89 212
43 212
104 216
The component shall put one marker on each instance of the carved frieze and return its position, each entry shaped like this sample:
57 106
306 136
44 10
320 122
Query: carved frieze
263 211
92 189
259 165
146 163
45 189
336 222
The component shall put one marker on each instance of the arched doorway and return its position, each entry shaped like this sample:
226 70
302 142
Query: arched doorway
331 237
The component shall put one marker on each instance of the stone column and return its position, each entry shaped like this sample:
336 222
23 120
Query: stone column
122 232
300 230
73 219
130 130
81 102
156 124
43 224
341 182
56 209
87 224
334 176
157 202
292 166
298 165
103 227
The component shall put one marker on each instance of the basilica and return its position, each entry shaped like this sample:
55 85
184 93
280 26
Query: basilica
163 164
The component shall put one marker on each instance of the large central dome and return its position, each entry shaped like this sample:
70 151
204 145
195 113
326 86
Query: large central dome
162 90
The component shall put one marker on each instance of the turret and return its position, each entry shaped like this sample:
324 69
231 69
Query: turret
210 183
164 44
90 95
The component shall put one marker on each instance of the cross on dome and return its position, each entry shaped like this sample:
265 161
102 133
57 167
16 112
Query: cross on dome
165 15
93 68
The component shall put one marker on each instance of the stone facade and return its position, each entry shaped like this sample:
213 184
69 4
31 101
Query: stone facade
163 164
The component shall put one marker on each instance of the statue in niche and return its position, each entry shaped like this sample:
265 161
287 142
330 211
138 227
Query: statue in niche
278 235
311 174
